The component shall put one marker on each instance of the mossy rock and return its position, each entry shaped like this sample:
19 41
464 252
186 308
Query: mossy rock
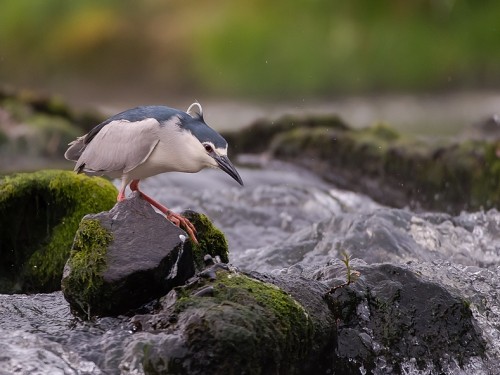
396 170
39 215
211 240
87 262
235 324
124 258
258 137
25 104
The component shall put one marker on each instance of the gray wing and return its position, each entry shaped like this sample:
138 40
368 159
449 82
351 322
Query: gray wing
117 148
75 149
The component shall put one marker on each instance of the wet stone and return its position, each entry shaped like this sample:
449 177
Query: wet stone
394 313
124 258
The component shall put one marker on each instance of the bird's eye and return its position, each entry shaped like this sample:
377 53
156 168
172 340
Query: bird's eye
208 148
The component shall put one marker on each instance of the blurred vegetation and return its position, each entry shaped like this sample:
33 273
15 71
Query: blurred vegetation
285 48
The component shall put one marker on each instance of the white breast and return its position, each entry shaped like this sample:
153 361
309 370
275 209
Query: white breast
177 151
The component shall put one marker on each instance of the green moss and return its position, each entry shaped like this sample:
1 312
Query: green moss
288 311
434 175
211 240
87 261
39 215
383 131
257 322
260 135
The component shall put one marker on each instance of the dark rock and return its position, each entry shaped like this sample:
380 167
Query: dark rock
39 214
394 315
124 258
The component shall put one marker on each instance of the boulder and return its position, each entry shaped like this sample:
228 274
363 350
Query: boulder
308 320
227 322
131 255
393 169
394 317
39 214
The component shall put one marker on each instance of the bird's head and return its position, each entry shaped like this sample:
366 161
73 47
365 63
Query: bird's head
213 147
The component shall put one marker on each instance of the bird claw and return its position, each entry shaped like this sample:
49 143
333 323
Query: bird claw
184 223
176 219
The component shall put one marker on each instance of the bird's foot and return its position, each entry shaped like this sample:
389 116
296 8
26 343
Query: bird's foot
177 219
184 223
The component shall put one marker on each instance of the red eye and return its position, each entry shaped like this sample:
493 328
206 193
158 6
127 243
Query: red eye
208 148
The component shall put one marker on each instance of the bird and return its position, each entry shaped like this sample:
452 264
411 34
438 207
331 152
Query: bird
148 140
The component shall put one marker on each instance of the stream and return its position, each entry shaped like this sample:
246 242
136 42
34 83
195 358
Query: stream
284 217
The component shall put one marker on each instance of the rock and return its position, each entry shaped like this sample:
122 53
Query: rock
35 129
211 241
26 103
308 320
39 214
395 316
239 324
259 136
131 255
393 169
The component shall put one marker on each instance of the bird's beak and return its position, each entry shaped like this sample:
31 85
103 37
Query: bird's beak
228 167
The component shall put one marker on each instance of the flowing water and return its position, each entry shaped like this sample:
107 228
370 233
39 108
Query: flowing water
283 217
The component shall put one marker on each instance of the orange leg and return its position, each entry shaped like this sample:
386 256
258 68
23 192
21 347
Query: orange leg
177 219
121 196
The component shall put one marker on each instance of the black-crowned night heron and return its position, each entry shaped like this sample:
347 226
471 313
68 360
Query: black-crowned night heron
146 141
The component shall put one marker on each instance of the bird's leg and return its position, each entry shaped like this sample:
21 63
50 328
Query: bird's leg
175 218
121 193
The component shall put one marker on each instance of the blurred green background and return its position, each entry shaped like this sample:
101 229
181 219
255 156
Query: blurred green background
97 49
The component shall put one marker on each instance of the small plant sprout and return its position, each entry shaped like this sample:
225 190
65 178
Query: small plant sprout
351 274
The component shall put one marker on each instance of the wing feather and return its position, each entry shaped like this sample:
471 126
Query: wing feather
75 149
118 147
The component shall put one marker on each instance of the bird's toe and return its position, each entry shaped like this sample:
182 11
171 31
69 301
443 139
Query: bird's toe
184 223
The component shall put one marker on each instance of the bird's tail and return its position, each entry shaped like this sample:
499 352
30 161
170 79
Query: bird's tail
75 149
